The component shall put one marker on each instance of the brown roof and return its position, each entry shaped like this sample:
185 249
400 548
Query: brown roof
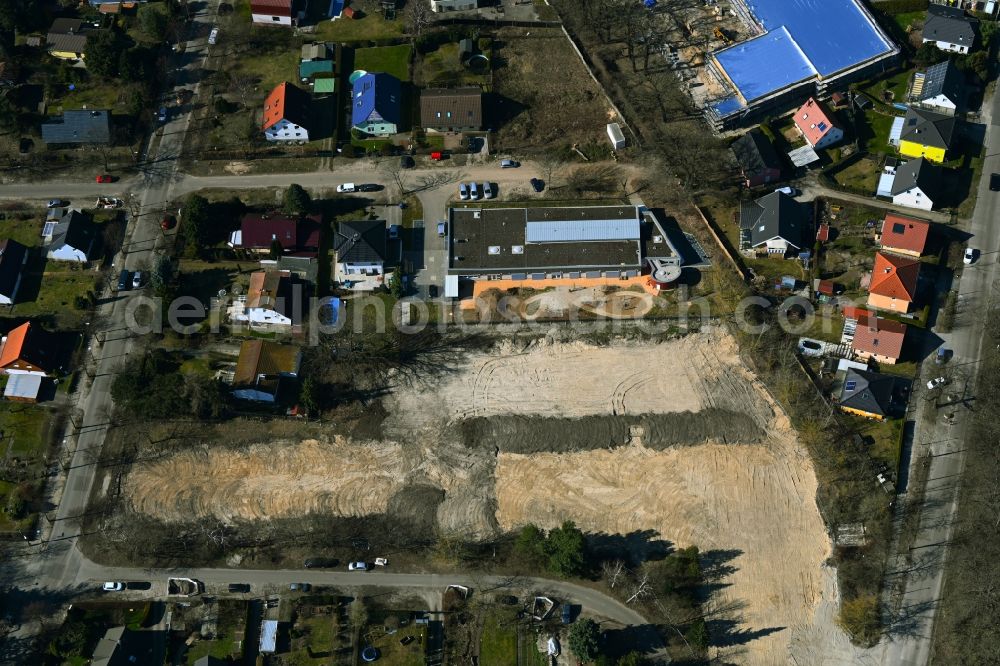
904 233
457 107
265 287
69 35
274 7
895 277
879 336
261 357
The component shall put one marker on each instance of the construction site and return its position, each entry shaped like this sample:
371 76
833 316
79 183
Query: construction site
676 437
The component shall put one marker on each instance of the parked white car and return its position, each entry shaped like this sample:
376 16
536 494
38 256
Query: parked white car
790 191
463 191
488 190
114 586
347 187
357 566
936 382
970 256
213 36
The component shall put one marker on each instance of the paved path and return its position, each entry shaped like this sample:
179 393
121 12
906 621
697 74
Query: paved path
812 190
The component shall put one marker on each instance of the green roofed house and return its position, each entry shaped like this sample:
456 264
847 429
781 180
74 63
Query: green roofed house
310 68
324 86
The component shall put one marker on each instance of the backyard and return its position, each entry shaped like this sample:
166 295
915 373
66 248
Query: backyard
23 432
348 31
391 650
861 176
442 67
498 641
394 60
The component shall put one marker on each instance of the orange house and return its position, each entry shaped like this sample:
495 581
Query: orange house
27 350
894 283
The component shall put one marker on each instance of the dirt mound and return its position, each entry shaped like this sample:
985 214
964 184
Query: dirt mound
537 434
417 504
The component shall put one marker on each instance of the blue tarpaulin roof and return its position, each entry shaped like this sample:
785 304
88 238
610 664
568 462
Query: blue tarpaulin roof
766 63
336 7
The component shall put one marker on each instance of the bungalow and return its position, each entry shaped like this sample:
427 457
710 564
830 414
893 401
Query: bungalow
360 249
79 126
868 394
878 339
915 184
949 29
258 233
940 89
261 367
903 235
275 12
894 283
72 238
67 38
757 158
28 349
375 105
286 114
451 110
775 223
13 256
816 125
274 298
926 134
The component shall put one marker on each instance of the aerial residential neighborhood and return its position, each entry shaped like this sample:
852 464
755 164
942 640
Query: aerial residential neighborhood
499 332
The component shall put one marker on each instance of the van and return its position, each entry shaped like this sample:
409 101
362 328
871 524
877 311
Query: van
124 281
509 164
473 191
347 187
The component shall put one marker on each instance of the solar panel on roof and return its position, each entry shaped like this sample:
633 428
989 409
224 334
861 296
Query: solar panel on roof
49 228
851 385
898 228
822 127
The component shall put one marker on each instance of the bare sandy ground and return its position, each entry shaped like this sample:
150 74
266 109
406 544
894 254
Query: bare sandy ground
757 500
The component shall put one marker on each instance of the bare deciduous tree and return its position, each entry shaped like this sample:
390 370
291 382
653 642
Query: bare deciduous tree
418 16
613 572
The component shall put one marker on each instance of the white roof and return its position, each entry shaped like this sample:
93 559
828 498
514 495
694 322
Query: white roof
451 286
268 635
803 156
572 231
23 386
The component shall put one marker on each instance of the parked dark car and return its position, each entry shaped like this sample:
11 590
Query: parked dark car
320 563
369 187
124 281
567 613
432 290
301 587
537 184
995 182
239 587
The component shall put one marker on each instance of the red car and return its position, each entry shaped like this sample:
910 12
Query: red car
104 178
168 222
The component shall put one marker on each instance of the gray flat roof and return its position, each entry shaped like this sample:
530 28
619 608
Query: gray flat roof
496 240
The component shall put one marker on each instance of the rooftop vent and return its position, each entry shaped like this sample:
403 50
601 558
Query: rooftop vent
517 249
494 249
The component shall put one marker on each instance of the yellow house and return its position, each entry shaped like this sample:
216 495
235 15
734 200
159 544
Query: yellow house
67 39
926 134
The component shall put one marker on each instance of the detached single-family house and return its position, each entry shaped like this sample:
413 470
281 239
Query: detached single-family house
275 12
286 114
868 394
926 134
757 158
261 367
72 239
940 89
79 126
375 104
314 51
360 249
894 282
13 256
949 29
776 223
67 38
451 110
915 184
878 339
274 298
816 125
28 349
258 232
904 235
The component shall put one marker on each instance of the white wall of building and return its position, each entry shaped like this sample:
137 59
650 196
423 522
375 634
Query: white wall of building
374 268
913 198
267 316
940 103
453 5
948 46
268 19
284 130
833 136
67 253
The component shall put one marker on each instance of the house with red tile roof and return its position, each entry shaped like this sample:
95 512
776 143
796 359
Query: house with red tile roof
28 350
286 114
258 231
904 235
894 282
817 125
878 339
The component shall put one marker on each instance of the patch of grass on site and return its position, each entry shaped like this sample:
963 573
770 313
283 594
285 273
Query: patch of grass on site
57 295
896 84
498 643
875 133
26 232
220 648
268 70
907 19
391 651
91 94
858 176
348 31
441 67
394 60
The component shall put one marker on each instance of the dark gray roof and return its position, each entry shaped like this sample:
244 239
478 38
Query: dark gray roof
928 128
68 34
948 24
12 256
915 173
755 153
868 391
79 126
74 229
361 241
943 79
775 215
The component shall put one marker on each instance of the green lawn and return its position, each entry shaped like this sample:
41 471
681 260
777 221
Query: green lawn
27 232
26 424
860 175
498 643
92 94
393 60
391 653
57 291
441 67
906 19
897 83
318 631
878 126
269 69
221 648
371 27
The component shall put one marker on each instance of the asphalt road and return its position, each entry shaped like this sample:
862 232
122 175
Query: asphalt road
909 642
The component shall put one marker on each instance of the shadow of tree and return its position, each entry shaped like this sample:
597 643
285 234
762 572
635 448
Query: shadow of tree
633 548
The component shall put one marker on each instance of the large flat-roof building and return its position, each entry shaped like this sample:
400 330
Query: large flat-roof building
800 48
616 242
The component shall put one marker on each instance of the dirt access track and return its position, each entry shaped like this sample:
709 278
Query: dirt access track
676 437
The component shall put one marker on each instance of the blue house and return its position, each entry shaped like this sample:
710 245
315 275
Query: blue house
375 104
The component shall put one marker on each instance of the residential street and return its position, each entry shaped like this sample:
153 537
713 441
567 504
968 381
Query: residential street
909 642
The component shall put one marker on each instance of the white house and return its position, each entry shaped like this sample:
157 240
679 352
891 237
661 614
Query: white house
71 238
360 248
286 114
816 125
913 185
275 12
949 29
776 224
453 5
